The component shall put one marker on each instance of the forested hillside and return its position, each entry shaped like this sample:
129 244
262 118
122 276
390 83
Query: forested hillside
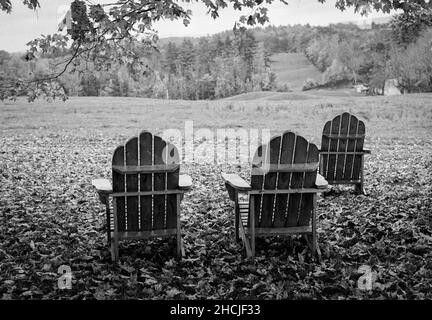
260 59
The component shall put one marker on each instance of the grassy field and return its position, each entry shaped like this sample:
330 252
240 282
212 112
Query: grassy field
293 69
50 215
316 94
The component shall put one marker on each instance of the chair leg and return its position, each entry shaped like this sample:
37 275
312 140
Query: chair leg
183 254
114 248
312 243
315 247
308 239
316 252
114 238
252 226
236 224
107 212
360 187
237 216
245 241
179 237
290 241
252 246
180 248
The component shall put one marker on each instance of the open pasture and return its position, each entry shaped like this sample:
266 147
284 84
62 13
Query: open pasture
50 215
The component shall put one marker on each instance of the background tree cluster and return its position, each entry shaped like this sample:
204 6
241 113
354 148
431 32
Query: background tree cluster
345 53
400 49
215 67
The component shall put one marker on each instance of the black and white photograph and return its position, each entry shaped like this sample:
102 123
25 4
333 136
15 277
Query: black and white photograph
222 152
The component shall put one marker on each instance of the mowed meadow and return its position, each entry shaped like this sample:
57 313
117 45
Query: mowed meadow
51 216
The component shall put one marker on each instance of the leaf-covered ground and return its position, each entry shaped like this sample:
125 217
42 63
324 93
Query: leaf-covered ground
50 215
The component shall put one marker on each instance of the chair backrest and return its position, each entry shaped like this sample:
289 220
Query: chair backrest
146 164
342 137
287 162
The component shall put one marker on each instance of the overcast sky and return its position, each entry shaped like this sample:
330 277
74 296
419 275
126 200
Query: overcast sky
23 25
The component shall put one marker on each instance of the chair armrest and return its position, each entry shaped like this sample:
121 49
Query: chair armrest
185 182
320 182
236 182
102 185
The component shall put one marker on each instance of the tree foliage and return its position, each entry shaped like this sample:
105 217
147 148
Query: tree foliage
398 50
409 25
412 66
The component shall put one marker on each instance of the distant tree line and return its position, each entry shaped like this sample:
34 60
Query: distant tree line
213 67
206 68
231 63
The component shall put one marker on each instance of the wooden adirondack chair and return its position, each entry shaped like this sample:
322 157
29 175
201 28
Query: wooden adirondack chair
146 192
342 153
282 192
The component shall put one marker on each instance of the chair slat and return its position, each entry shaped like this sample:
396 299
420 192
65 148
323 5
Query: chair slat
343 145
243 206
172 159
146 180
270 183
159 201
294 167
286 157
131 169
334 143
288 191
352 130
353 153
307 204
132 185
147 193
119 186
244 217
358 147
257 180
344 136
325 146
294 203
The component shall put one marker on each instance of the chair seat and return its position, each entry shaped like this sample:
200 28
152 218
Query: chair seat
244 212
131 235
244 216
